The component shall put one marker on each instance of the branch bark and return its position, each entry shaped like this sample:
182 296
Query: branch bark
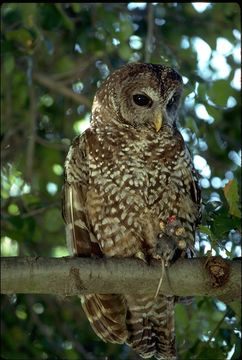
74 276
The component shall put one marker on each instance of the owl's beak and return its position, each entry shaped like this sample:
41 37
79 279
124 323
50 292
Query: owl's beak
158 120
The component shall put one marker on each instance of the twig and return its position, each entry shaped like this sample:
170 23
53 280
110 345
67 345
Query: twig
73 74
42 328
38 211
7 141
52 145
217 327
211 335
32 132
150 30
61 89
86 355
9 107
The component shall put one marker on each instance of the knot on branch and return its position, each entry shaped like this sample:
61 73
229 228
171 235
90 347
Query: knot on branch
75 280
218 270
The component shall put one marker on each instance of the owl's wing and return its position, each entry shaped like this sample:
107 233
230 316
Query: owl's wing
196 197
106 313
78 234
107 316
196 193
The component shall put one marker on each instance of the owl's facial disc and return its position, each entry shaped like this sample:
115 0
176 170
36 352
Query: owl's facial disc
142 96
147 108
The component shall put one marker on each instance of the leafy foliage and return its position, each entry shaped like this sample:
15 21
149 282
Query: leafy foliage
53 58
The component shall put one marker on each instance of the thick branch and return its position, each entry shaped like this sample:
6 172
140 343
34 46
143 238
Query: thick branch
72 276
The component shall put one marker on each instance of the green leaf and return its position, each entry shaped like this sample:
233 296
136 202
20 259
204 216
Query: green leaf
124 51
126 28
65 63
9 64
205 230
76 7
219 92
49 17
236 306
52 220
21 36
210 353
232 196
214 112
202 88
223 223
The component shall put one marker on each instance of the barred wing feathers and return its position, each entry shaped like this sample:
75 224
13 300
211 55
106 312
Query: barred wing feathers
106 313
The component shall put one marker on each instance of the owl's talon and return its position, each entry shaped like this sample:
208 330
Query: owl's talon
181 244
162 225
157 257
140 255
180 231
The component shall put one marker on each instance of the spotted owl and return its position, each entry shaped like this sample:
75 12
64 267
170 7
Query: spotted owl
131 190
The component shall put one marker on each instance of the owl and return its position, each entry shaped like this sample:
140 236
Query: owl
131 191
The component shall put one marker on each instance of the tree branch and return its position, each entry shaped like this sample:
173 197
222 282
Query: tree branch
149 41
30 149
58 87
72 276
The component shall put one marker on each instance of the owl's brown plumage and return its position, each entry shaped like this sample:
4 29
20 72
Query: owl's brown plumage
131 191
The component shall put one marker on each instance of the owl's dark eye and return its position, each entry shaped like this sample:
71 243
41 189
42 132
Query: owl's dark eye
172 102
142 100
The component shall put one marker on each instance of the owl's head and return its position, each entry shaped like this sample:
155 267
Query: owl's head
141 96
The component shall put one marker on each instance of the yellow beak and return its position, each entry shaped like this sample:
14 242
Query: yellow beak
158 121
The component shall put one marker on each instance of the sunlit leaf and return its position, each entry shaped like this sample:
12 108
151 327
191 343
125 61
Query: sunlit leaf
232 197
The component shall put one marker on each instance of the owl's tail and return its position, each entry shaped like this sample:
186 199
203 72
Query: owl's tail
145 323
150 325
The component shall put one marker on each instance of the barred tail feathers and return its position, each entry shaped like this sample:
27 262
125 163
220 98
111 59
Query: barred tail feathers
150 324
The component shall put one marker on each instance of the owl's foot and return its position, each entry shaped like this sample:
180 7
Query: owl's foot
166 247
172 236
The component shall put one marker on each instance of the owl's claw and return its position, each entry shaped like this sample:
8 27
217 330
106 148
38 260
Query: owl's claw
157 257
140 255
